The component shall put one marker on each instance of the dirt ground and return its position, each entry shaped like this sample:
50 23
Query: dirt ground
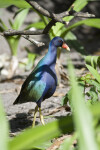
21 116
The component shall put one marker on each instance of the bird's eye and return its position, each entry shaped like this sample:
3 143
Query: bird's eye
60 41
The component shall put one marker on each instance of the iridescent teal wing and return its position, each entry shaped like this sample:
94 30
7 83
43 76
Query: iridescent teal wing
31 91
35 90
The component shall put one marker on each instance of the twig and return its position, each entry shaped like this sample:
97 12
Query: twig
57 142
81 14
67 108
38 44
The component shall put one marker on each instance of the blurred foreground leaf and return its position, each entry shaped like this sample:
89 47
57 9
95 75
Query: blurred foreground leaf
43 146
33 137
82 116
3 129
95 109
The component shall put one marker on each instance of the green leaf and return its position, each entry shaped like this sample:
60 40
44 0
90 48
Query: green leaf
43 18
93 94
67 97
94 83
1 29
37 25
13 44
18 3
40 134
89 22
19 19
3 25
64 100
3 129
79 5
82 116
11 23
93 61
94 73
57 28
92 22
13 41
31 59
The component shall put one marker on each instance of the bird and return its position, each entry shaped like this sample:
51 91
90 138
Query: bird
42 81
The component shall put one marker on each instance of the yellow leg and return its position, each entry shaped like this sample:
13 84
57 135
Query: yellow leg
36 109
41 116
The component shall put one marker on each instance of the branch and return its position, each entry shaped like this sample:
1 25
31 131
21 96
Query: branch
23 32
58 17
29 32
48 27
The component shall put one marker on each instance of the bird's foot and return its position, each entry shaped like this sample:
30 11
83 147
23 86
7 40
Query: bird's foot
41 117
36 109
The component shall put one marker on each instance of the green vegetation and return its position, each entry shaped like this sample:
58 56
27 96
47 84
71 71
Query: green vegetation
83 124
13 41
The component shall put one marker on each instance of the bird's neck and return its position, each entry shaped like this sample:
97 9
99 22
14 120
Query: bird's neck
51 55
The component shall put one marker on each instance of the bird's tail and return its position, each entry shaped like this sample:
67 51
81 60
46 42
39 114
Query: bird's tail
16 101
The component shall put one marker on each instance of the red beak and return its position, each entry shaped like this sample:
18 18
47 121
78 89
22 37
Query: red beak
65 46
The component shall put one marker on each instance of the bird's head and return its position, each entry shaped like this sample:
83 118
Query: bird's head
59 42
